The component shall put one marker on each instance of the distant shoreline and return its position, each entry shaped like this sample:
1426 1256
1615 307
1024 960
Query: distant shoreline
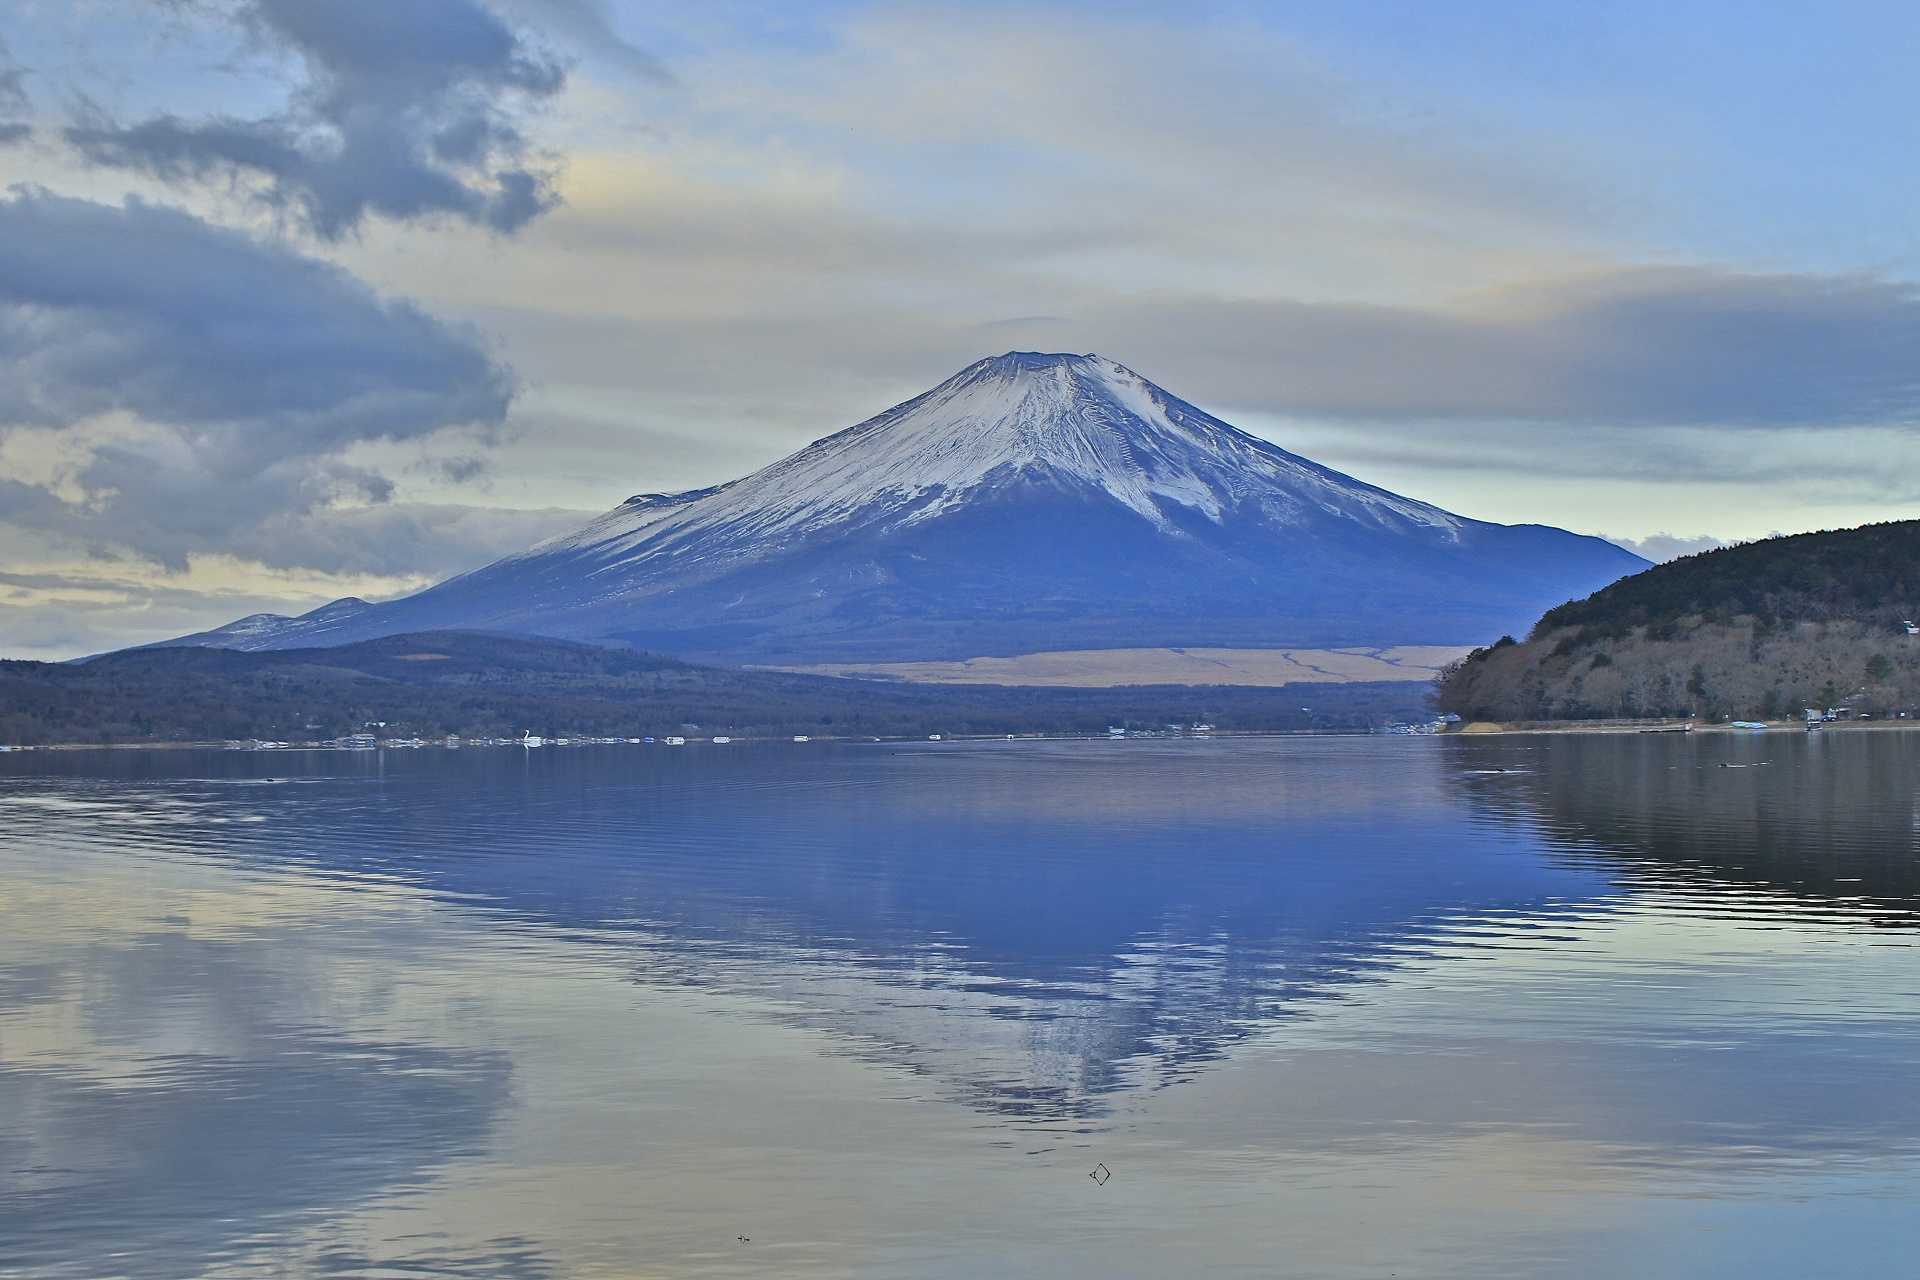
743 740
1486 728
1479 729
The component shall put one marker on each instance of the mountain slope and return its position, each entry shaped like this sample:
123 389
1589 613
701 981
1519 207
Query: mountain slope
1031 502
1764 629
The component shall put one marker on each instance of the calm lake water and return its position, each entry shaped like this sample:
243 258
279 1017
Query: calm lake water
1368 1007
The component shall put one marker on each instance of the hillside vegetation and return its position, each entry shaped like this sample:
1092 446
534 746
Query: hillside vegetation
1754 631
489 685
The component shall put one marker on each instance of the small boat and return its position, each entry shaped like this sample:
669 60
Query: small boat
1748 724
1670 728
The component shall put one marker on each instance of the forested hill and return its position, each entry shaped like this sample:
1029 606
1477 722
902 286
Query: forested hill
491 685
1763 630
1872 572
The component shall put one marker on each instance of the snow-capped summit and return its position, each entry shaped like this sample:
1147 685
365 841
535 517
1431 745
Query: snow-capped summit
1066 421
1029 502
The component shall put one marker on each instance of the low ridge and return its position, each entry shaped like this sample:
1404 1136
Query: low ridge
476 684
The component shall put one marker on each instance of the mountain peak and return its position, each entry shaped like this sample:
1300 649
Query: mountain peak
1021 422
1036 369
1015 363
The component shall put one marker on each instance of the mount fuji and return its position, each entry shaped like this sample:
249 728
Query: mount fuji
1029 503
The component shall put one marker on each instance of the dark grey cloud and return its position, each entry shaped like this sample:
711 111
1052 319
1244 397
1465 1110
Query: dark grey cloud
407 111
242 373
1649 346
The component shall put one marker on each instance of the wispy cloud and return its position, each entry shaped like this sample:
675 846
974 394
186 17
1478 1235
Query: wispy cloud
13 99
587 27
56 603
1662 346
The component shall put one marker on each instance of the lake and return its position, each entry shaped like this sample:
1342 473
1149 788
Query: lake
1554 1005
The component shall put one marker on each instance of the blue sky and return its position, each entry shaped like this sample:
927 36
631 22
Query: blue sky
1627 268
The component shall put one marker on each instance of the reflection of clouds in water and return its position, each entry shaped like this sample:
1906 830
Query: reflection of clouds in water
1750 889
172 1101
207 1151
149 811
1662 1034
510 1258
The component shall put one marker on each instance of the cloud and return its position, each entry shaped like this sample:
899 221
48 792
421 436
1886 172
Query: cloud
422 541
1135 153
1662 547
1658 346
173 387
826 226
407 111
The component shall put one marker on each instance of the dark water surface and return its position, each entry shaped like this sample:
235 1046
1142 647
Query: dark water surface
1550 1006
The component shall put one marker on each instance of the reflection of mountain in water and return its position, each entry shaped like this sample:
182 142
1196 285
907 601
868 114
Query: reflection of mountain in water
1824 818
1036 926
